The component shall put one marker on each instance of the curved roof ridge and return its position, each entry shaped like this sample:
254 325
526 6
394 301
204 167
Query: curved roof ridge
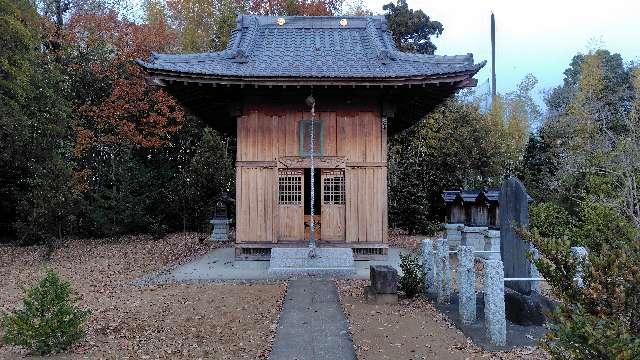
312 47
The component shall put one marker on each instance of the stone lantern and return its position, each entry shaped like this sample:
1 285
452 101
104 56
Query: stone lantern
220 222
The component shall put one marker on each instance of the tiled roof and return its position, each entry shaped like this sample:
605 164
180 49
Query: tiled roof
312 47
470 196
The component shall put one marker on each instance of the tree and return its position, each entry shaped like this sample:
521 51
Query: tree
591 137
295 7
411 29
450 148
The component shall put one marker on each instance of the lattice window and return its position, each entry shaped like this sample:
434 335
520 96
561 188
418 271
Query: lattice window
333 188
290 188
305 138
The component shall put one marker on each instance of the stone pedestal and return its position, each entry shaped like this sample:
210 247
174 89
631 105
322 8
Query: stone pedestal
220 229
295 262
473 236
491 243
384 285
454 234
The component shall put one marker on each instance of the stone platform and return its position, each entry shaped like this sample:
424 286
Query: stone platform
295 262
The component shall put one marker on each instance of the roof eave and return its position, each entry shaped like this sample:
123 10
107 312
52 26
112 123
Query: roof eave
458 79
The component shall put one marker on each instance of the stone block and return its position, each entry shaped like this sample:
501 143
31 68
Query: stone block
454 234
494 308
473 236
466 285
220 230
384 279
295 262
443 272
491 243
514 214
526 310
372 297
428 266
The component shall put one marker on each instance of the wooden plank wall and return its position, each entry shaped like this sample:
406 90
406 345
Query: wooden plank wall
266 135
256 201
358 136
366 208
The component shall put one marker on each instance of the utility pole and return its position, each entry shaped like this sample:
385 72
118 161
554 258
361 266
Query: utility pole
493 58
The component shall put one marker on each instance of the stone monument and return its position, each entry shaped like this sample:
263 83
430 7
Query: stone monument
384 285
514 214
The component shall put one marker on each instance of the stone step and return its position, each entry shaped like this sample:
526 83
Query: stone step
295 262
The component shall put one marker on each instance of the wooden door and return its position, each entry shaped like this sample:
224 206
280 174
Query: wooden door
333 205
290 205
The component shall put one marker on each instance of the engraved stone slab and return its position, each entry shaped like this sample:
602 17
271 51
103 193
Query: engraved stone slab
295 262
514 214
384 279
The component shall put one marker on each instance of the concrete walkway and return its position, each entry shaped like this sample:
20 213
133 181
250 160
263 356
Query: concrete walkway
219 265
312 325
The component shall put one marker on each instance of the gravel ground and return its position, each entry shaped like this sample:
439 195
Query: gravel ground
412 329
221 321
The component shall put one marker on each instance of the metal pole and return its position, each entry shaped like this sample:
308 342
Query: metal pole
493 58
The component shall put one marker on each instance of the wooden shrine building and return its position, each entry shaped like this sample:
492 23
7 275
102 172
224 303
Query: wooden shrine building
364 89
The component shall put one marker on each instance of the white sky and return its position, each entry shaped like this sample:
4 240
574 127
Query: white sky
538 37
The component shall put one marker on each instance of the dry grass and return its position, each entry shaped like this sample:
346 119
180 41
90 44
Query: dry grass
221 321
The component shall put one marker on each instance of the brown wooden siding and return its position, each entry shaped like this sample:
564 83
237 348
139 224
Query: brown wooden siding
354 135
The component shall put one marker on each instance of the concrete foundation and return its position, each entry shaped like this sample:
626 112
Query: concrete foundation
443 271
494 308
428 266
295 262
466 285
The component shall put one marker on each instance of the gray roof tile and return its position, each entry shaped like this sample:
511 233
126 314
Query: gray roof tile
311 47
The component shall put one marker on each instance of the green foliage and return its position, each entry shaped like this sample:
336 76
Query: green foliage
550 220
48 322
450 148
587 176
602 226
411 29
412 279
600 320
18 43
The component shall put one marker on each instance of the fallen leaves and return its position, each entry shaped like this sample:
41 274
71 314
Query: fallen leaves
412 329
205 320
